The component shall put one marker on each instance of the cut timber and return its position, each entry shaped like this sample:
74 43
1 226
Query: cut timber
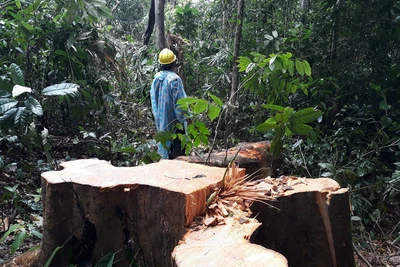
225 245
92 208
311 226
254 157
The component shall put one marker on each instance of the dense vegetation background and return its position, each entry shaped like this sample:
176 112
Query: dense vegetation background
339 57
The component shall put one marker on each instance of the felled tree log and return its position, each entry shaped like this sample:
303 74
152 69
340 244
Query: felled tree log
225 245
311 225
254 157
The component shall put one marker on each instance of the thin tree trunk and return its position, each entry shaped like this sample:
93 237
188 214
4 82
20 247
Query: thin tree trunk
150 25
335 29
235 69
160 32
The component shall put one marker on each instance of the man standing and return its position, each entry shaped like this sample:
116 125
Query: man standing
166 90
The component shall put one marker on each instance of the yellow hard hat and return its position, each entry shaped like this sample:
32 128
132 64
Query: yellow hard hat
166 57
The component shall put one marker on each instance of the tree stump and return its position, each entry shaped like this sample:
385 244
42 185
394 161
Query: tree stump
311 225
92 208
254 157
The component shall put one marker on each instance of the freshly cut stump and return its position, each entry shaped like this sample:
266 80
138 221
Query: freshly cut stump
92 208
225 245
254 157
311 226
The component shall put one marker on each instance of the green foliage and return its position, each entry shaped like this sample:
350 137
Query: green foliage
286 123
185 21
275 77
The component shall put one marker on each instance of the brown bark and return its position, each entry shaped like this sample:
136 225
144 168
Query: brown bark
254 157
311 226
159 17
150 24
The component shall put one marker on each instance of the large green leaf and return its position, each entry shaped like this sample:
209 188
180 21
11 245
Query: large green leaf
18 241
61 89
300 129
217 100
307 68
243 63
200 106
264 127
16 75
9 114
213 112
106 261
33 105
306 115
273 107
6 104
299 67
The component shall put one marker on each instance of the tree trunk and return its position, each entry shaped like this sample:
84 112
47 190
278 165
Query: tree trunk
235 69
150 24
159 16
335 29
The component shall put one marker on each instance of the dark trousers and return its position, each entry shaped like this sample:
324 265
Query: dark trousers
175 149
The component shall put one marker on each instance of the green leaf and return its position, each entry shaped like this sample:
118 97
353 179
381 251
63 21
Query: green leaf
105 12
291 67
61 89
307 68
213 112
273 107
9 114
217 100
200 106
27 26
299 67
11 229
243 63
6 104
306 115
164 137
48 262
106 261
18 241
18 3
128 149
197 141
265 127
16 75
300 129
202 128
33 105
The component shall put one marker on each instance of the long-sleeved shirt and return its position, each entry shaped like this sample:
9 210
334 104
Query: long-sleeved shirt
166 90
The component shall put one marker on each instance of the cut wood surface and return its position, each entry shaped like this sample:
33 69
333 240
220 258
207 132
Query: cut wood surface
95 208
311 225
254 157
92 208
225 245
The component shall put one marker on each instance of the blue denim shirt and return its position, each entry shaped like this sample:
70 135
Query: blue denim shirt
166 90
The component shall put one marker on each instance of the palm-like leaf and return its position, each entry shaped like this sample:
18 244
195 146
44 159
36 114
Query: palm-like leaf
61 89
